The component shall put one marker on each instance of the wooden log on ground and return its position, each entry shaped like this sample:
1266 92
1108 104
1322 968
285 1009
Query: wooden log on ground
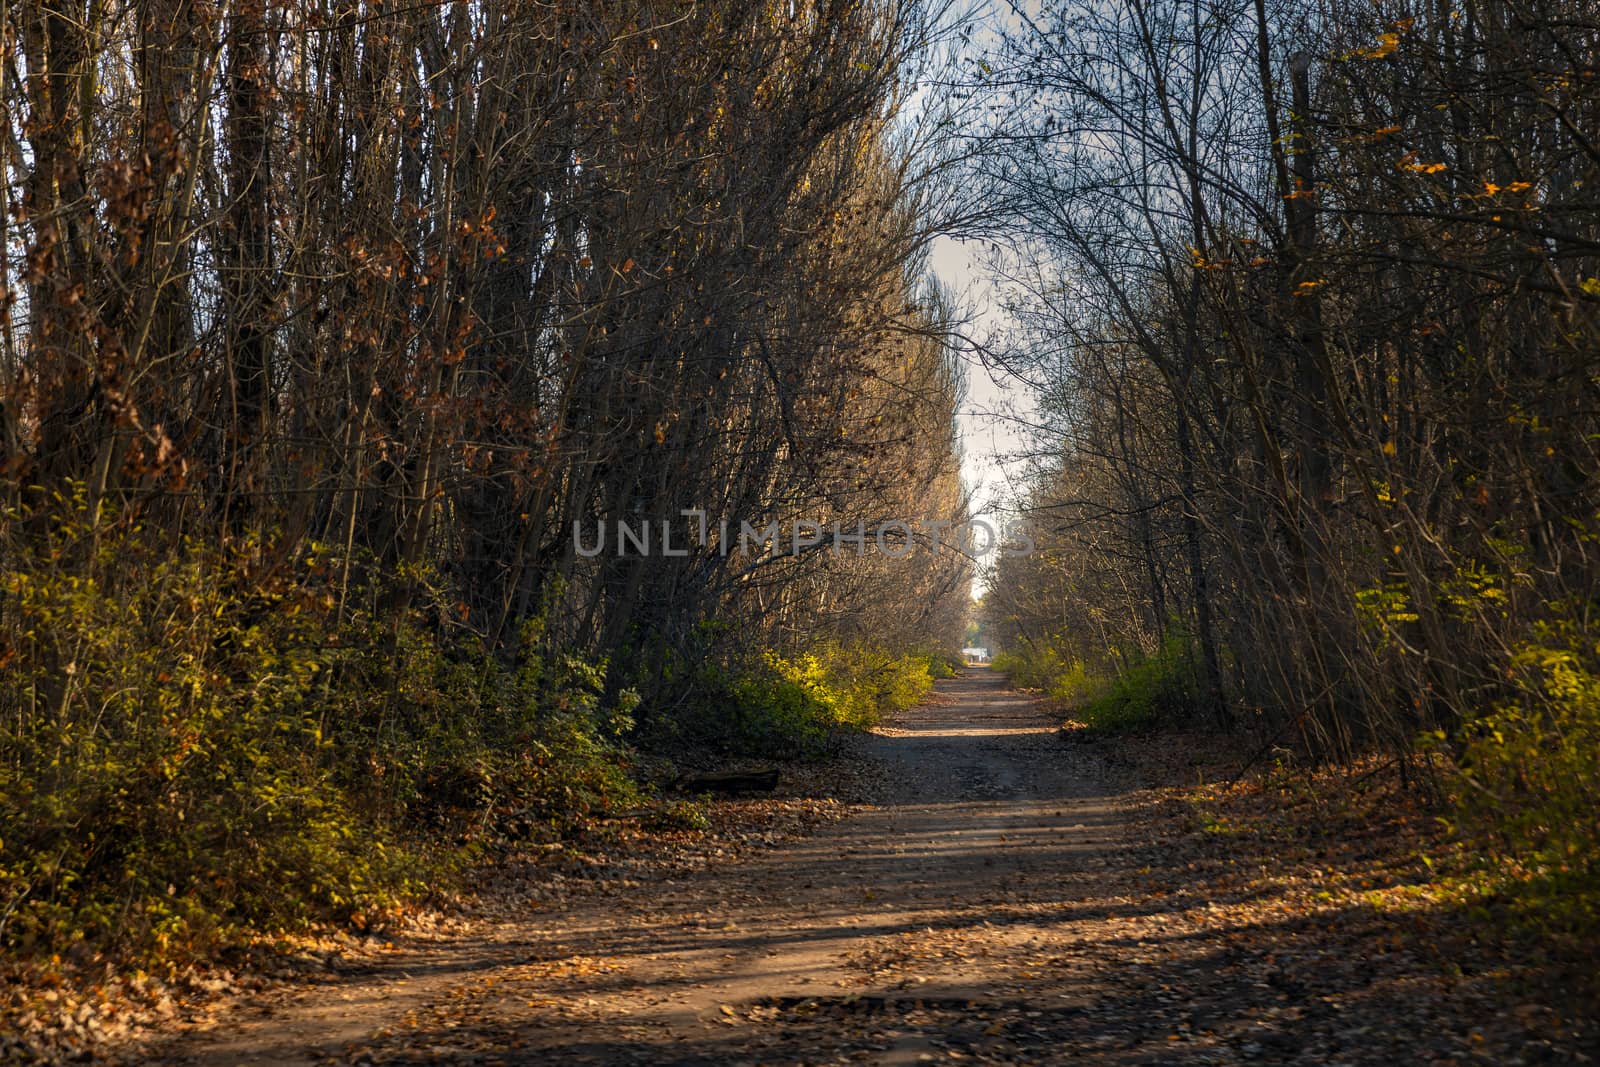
729 783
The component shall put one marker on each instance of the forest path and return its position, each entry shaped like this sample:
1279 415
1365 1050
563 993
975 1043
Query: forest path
1009 896
938 922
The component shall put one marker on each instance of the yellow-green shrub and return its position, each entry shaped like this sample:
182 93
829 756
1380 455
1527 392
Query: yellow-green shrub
191 740
1065 679
1150 687
789 706
1530 769
163 765
857 683
1155 687
1029 666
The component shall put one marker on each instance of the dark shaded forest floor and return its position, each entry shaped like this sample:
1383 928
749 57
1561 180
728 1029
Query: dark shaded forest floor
969 883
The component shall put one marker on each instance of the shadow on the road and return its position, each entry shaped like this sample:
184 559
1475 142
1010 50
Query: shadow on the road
994 823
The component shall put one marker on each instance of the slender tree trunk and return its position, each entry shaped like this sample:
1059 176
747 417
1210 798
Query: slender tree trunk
247 266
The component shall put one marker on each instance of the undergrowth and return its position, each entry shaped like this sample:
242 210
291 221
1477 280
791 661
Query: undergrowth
793 706
1145 691
195 743
205 741
1527 788
1154 689
1519 783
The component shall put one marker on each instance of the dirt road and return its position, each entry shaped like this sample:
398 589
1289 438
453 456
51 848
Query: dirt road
939 921
1006 896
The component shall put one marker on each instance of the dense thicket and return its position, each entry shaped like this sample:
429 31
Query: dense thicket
328 324
1316 318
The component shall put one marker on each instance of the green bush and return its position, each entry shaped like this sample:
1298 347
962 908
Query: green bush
1530 777
455 735
1158 687
165 767
1065 680
769 714
1028 666
857 683
191 741
786 707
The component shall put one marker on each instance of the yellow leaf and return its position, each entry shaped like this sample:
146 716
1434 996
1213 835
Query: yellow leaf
1388 45
1410 162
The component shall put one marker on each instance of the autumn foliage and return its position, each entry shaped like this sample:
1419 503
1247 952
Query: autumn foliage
326 322
1313 302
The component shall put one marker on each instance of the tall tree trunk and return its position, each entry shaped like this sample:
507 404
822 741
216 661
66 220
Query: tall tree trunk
246 280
